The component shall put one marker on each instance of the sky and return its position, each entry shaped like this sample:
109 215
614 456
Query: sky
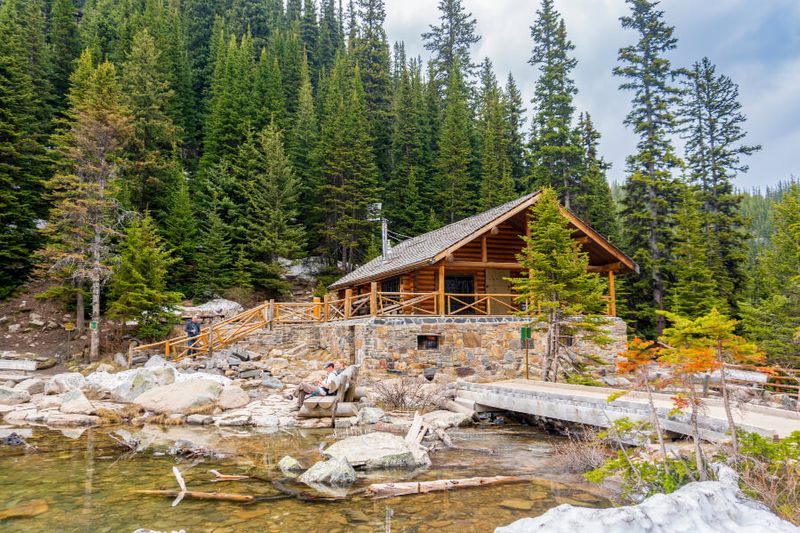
754 42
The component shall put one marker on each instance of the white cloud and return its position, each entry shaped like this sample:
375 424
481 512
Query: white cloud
756 43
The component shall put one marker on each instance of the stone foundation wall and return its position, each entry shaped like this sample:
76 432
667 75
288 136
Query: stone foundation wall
487 346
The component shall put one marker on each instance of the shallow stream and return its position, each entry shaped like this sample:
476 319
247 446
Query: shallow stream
88 484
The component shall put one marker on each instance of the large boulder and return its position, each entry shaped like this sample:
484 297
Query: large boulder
124 386
180 397
442 419
377 450
71 420
336 472
31 386
74 402
61 383
9 396
233 397
700 507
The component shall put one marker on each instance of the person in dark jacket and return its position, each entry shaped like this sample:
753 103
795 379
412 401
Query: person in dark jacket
192 333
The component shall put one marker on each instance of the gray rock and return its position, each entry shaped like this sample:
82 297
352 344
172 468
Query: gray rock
289 465
336 472
265 421
74 402
155 361
9 396
237 419
36 321
615 381
446 419
250 374
180 397
32 385
377 450
120 360
271 382
125 386
13 328
234 361
71 420
61 383
233 397
199 420
276 362
104 367
370 415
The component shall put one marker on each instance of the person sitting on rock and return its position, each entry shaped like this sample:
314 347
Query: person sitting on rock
321 388
339 366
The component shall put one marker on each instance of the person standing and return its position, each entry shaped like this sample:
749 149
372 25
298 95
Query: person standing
192 333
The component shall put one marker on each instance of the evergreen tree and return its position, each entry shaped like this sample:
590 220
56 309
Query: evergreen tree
268 91
65 43
21 155
454 187
179 231
138 288
694 291
85 212
712 126
651 191
372 54
199 23
515 123
497 184
308 33
347 166
555 155
328 37
214 255
595 203
154 171
450 42
555 284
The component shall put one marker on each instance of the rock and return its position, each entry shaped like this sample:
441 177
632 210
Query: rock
233 397
36 321
376 450
699 507
288 465
13 328
155 361
71 420
199 420
616 381
276 362
216 307
181 377
250 374
61 383
370 415
123 386
104 367
120 360
31 386
265 421
74 402
517 504
271 382
9 396
336 472
446 419
180 397
235 419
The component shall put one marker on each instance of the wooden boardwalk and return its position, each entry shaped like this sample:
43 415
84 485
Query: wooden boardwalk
589 405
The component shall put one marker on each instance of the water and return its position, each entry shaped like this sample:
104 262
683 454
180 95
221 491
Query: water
88 486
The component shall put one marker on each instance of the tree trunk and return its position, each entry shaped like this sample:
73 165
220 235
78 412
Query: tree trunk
698 452
94 333
727 404
80 312
654 415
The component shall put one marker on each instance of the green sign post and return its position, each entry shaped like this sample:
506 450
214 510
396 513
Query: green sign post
525 335
93 324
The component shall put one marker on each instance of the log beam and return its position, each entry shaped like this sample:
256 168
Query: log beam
441 289
604 268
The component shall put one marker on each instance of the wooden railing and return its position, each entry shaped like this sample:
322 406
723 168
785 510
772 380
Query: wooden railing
783 380
481 304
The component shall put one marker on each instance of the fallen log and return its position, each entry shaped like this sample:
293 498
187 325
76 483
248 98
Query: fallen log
397 429
389 490
195 495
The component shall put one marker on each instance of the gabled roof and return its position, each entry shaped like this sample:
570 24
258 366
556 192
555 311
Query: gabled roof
435 245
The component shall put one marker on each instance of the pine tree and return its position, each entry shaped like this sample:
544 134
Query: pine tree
454 187
199 23
595 203
179 231
651 191
694 291
555 155
515 122
554 283
268 92
328 36
214 255
712 123
308 33
450 42
497 184
347 165
154 171
138 288
66 46
21 156
85 213
372 54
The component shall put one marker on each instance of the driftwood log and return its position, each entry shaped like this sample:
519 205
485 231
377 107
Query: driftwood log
389 490
195 495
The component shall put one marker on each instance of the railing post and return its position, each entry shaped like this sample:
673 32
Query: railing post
317 309
166 349
612 295
271 312
373 298
348 303
327 307
442 310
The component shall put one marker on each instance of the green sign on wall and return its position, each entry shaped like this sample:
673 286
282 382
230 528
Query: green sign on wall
93 324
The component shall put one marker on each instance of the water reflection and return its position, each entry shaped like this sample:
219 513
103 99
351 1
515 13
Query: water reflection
88 487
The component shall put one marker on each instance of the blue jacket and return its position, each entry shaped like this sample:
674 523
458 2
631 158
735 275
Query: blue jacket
192 328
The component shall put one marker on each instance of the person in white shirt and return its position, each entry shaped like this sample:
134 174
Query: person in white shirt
320 388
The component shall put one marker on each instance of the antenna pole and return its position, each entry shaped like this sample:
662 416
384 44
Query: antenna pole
384 238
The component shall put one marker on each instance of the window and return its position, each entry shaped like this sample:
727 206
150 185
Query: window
427 342
390 285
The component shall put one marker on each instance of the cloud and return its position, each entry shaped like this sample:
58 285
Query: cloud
755 43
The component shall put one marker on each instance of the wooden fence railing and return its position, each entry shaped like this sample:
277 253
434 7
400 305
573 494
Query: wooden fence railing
783 380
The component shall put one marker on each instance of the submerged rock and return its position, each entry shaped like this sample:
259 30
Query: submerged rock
337 472
377 450
700 507
289 466
180 397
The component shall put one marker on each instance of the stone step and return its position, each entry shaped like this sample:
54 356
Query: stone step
16 378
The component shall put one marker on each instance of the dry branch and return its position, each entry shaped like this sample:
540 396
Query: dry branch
195 495
388 490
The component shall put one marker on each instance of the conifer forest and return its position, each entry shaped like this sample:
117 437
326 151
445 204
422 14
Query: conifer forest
159 150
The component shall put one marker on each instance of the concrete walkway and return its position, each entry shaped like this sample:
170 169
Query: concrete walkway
589 405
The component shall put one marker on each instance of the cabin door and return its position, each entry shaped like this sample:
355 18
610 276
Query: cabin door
496 284
460 285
